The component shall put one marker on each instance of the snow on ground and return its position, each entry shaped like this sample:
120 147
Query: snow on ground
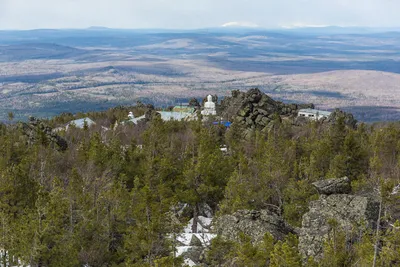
203 221
189 262
205 238
13 260
396 190
203 235
181 249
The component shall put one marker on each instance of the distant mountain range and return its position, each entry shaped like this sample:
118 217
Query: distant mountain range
227 27
47 71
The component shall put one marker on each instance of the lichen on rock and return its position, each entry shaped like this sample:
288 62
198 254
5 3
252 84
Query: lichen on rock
37 130
334 204
333 186
252 223
256 110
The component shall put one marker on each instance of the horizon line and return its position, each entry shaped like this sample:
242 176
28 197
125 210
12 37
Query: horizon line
222 27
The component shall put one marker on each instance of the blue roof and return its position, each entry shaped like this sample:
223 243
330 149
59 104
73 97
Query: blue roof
225 123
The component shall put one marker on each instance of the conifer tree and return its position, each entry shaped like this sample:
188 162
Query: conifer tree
285 253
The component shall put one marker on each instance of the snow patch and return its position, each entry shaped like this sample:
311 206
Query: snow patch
182 249
202 221
186 237
189 262
246 24
396 190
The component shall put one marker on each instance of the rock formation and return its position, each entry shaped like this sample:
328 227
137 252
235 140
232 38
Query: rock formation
252 223
150 113
348 118
257 110
333 186
336 204
194 103
192 256
37 130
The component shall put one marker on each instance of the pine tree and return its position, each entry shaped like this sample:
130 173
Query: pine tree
286 253
204 176
390 255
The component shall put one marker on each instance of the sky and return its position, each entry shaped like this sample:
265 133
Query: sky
195 14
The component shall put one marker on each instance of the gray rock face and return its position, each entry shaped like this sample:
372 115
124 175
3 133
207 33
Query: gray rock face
195 242
333 186
347 118
37 130
346 210
252 223
194 254
257 110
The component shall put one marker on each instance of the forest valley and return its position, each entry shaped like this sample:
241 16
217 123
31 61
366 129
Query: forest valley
118 197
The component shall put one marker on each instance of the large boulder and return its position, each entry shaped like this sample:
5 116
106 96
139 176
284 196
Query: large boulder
256 110
193 254
38 131
347 118
252 223
333 186
346 210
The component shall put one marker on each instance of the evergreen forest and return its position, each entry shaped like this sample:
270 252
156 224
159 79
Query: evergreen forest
111 197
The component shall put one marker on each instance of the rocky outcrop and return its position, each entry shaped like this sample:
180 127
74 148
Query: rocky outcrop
333 186
150 113
257 110
36 130
192 256
337 115
334 205
252 223
193 102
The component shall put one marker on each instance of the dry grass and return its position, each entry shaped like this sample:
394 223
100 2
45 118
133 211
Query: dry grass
188 78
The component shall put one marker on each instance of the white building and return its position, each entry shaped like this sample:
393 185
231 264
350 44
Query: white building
134 120
173 115
165 116
209 107
313 114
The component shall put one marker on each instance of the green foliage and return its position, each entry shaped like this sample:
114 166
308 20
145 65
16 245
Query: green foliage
297 196
338 250
286 253
248 254
243 253
261 176
220 251
109 199
10 116
390 255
